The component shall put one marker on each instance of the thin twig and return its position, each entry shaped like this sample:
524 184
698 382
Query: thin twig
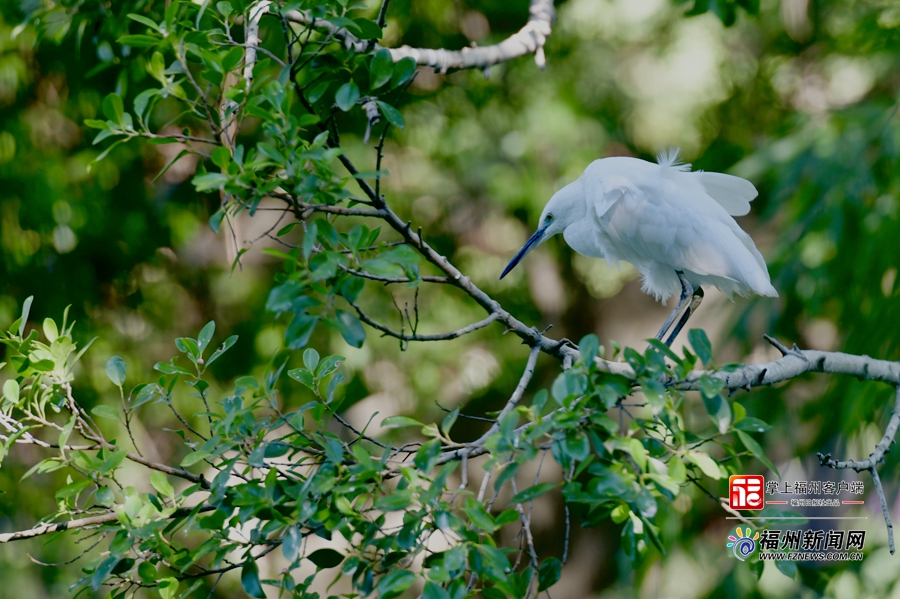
437 337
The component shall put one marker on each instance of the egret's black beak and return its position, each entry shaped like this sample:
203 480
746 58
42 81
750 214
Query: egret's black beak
529 245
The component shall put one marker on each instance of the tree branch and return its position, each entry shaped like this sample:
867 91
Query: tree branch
438 337
530 39
391 280
875 458
45 529
516 397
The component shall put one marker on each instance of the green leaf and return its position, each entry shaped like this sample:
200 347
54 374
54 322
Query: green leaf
752 425
194 458
162 485
290 544
139 41
350 328
311 359
789 569
209 181
637 450
113 108
718 409
677 469
50 330
427 455
11 391
303 376
757 451
168 165
216 220
403 70
103 411
222 349
549 573
381 68
526 495
448 421
391 114
399 422
300 330
395 583
326 558
168 587
250 579
144 20
147 572
433 590
346 24
73 489
23 320
368 30
142 100
328 365
702 346
106 497
347 95
115 370
589 347
706 464
102 571
205 336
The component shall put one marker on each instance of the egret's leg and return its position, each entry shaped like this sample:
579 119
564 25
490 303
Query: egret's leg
695 303
686 290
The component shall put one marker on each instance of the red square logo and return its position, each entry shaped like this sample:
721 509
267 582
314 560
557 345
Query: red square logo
745 491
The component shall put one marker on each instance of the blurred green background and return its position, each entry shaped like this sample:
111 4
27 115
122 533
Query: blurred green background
801 99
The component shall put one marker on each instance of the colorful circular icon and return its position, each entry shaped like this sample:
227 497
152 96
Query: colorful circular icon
742 545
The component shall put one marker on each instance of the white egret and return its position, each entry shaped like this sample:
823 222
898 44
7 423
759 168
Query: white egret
675 226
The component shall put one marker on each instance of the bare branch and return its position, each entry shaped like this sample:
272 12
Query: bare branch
516 397
885 510
252 41
438 337
530 39
382 13
391 280
875 458
45 529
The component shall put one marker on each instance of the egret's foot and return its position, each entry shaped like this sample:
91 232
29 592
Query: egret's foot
566 341
686 291
695 303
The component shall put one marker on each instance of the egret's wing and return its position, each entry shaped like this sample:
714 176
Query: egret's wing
733 193
674 223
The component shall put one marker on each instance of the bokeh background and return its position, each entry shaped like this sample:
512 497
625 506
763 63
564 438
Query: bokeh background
801 99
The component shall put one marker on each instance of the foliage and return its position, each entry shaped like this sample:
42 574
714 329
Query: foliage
282 478
263 468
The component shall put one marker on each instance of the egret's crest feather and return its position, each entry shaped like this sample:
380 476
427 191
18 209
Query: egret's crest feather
668 158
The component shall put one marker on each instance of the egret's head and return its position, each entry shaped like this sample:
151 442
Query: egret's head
564 208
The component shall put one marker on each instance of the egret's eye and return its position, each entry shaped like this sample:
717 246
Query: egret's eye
549 218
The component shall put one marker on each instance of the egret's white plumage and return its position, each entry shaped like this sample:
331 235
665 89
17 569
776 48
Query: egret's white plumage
663 219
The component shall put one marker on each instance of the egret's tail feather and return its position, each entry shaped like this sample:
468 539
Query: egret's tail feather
668 158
